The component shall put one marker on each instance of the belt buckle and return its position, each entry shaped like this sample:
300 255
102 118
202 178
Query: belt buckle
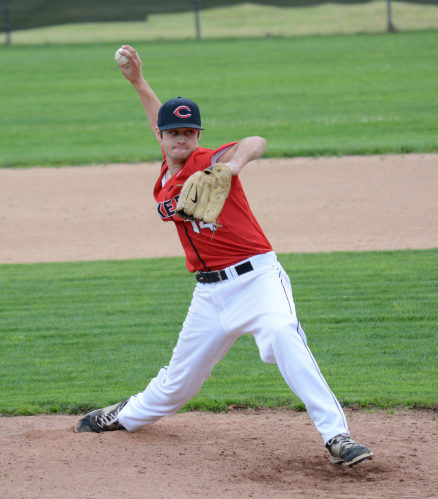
212 276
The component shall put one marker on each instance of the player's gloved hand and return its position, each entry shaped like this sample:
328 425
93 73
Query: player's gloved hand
204 194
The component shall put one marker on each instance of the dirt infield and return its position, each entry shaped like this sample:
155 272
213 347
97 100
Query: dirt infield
331 204
237 454
107 212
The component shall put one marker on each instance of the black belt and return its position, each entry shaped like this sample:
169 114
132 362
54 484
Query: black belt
221 275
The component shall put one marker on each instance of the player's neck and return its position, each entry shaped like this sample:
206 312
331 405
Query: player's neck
174 166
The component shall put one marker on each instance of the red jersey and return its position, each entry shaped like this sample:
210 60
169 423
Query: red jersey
208 247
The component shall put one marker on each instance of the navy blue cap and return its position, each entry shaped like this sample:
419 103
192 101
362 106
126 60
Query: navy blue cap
179 113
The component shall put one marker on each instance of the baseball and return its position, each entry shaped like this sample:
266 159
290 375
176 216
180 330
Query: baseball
121 59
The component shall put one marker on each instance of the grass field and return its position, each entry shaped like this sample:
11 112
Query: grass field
242 21
334 95
79 335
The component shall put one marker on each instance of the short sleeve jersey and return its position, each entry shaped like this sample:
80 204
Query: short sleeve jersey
238 235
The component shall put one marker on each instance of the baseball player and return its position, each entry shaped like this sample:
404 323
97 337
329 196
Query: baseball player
241 288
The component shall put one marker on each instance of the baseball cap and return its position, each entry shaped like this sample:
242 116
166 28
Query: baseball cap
179 113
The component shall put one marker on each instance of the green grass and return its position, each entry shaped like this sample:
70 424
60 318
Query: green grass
331 95
82 335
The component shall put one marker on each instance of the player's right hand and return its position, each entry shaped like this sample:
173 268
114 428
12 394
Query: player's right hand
133 72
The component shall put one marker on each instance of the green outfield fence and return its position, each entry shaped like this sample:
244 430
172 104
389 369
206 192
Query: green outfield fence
25 14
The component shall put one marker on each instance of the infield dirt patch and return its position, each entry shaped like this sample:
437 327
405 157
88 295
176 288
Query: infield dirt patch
107 212
303 205
238 454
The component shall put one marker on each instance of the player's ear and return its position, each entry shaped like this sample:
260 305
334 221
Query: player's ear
159 135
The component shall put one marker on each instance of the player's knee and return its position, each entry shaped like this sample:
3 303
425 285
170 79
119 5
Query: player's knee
283 338
275 333
268 356
266 350
274 342
182 386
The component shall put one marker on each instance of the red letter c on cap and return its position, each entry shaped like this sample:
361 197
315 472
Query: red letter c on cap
183 112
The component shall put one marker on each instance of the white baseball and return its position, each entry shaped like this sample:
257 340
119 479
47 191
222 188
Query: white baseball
121 59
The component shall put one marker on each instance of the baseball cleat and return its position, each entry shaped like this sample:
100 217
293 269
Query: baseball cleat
100 420
345 450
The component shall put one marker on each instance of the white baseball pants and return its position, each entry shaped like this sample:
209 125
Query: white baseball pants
259 303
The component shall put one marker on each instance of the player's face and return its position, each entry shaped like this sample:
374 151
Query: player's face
179 143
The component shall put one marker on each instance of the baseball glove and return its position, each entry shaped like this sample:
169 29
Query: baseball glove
204 194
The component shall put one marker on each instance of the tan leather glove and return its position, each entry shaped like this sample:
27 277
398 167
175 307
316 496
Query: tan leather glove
204 194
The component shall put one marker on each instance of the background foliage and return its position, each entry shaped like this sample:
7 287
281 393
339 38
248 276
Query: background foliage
24 14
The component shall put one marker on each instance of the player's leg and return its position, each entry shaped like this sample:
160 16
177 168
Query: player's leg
201 344
287 347
281 340
264 307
